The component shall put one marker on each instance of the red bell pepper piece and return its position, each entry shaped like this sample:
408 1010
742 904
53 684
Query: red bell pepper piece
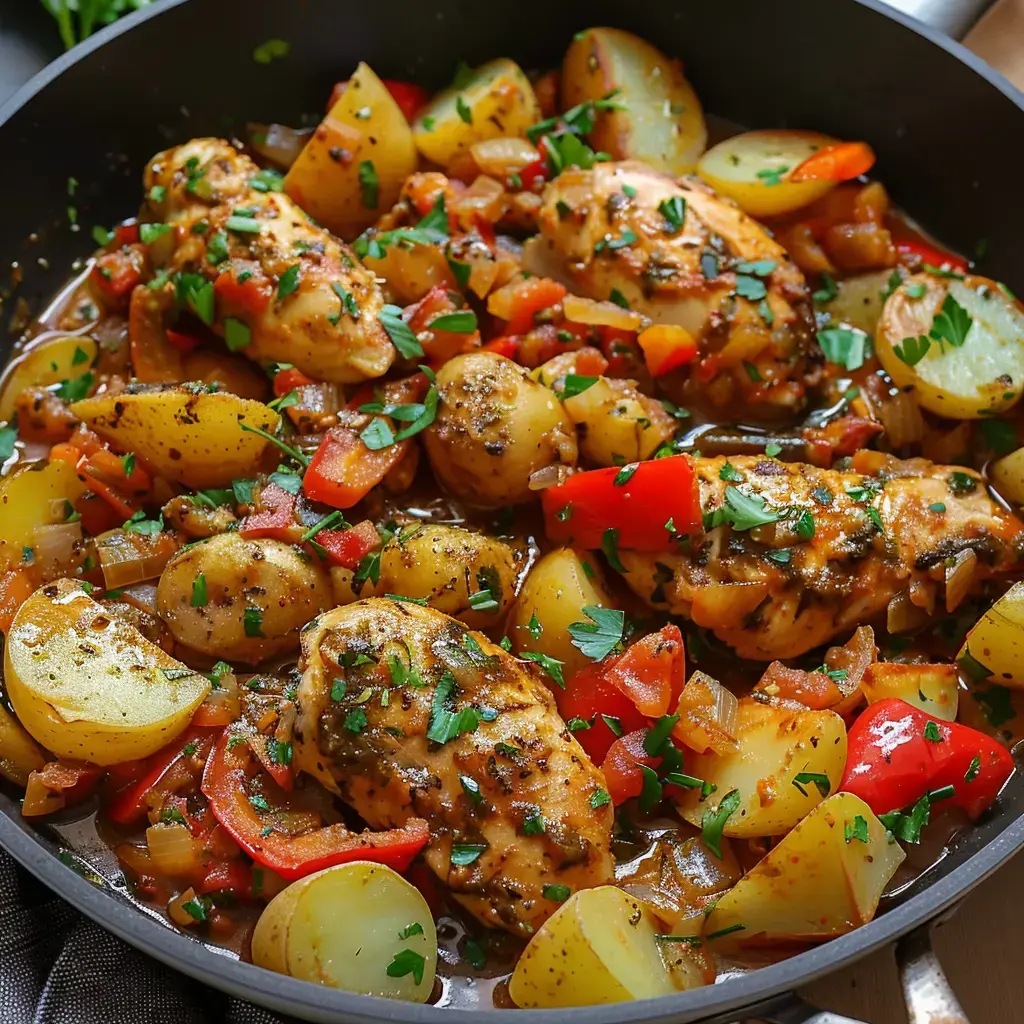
181 341
126 234
130 805
534 177
528 297
931 254
842 162
251 295
504 346
587 504
666 347
343 470
117 273
621 766
651 672
226 785
898 754
228 876
588 695
290 379
276 516
349 547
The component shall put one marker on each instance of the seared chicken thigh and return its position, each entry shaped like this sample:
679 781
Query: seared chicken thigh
794 556
680 255
285 290
406 713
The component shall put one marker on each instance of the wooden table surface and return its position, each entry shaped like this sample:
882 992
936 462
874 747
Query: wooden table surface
980 947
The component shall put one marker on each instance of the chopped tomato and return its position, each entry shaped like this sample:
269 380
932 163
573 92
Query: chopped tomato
589 695
98 515
233 876
290 380
667 347
587 505
343 470
246 294
814 690
349 547
275 516
651 672
226 785
533 177
621 766
117 273
590 362
521 300
504 346
127 233
842 162
438 345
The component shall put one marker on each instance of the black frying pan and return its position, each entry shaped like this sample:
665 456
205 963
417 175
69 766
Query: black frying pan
949 134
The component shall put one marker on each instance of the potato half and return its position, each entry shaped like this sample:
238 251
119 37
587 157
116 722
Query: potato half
783 759
359 927
981 372
662 123
48 361
823 879
89 686
186 433
996 640
600 946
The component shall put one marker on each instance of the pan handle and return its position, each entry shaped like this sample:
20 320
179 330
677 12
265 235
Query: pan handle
954 17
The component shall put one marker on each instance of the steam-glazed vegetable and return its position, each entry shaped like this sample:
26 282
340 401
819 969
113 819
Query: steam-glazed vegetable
646 109
360 927
49 361
956 342
88 686
995 642
34 497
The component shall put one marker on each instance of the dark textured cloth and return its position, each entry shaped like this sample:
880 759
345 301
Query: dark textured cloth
58 967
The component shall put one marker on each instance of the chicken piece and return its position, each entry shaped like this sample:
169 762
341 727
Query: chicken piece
806 554
277 276
680 255
405 713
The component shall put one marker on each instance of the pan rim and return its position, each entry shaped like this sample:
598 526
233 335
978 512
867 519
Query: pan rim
291 996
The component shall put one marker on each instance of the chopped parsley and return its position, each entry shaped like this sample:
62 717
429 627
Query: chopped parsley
602 635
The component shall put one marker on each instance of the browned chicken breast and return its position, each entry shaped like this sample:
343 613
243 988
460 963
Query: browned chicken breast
680 255
285 289
404 713
794 556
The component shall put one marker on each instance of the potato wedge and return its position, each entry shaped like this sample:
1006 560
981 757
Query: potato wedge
982 372
599 947
932 688
1007 475
751 169
351 927
19 753
781 758
353 167
824 879
496 100
48 361
996 640
184 432
663 123
555 592
90 686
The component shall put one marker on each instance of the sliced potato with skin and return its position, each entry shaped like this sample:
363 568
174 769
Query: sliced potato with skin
556 591
932 688
662 123
364 136
260 593
599 947
33 496
979 378
777 750
344 926
1007 476
47 361
496 101
996 640
822 880
88 685
184 432
751 169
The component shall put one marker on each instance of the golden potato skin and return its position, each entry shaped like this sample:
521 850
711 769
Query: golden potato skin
495 426
267 575
521 757
447 565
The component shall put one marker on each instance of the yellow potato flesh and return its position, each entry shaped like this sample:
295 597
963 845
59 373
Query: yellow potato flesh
1007 475
329 178
497 101
996 640
982 376
858 300
47 362
91 687
184 433
19 753
932 688
599 947
556 591
751 169
819 882
30 497
343 927
774 747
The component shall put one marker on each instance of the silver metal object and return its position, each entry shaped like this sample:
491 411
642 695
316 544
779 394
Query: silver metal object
954 17
929 997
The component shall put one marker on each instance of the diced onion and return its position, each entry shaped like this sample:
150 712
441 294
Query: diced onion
502 158
707 715
901 615
960 578
176 909
548 476
55 547
482 275
601 314
128 558
485 197
726 605
172 848
222 705
278 142
135 858
39 798
901 416
853 658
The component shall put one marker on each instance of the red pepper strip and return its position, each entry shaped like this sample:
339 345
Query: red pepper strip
118 502
289 380
587 504
892 761
276 514
621 766
343 470
588 695
931 254
181 341
225 784
280 773
129 806
349 547
842 162
228 876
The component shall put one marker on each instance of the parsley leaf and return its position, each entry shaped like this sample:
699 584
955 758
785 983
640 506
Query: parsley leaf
602 635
